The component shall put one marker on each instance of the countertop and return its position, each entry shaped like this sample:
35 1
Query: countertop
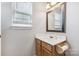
53 41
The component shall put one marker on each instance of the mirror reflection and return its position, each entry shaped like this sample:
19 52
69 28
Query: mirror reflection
56 19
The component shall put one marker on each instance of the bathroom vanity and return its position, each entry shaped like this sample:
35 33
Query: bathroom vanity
46 45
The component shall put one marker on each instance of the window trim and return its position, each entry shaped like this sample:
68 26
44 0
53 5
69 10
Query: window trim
29 26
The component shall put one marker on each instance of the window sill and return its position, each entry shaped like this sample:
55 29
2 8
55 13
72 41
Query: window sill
21 26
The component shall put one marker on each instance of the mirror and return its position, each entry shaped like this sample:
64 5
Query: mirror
55 19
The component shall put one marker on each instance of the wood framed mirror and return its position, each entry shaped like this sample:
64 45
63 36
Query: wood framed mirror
56 18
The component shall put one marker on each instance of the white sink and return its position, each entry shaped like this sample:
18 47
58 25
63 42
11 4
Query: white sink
51 39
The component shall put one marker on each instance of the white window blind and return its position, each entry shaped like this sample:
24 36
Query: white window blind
23 14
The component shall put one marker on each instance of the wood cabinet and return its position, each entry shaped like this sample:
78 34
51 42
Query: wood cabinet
45 49
38 47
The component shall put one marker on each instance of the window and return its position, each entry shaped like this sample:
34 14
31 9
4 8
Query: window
22 14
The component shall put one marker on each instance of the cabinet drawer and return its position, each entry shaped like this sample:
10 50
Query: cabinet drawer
47 46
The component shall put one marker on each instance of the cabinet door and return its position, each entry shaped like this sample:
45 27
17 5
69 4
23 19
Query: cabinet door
47 46
38 47
46 52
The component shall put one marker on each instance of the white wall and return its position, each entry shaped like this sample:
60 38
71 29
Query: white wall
20 42
73 27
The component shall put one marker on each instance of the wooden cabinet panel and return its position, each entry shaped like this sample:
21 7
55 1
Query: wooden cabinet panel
38 47
46 52
47 46
56 54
